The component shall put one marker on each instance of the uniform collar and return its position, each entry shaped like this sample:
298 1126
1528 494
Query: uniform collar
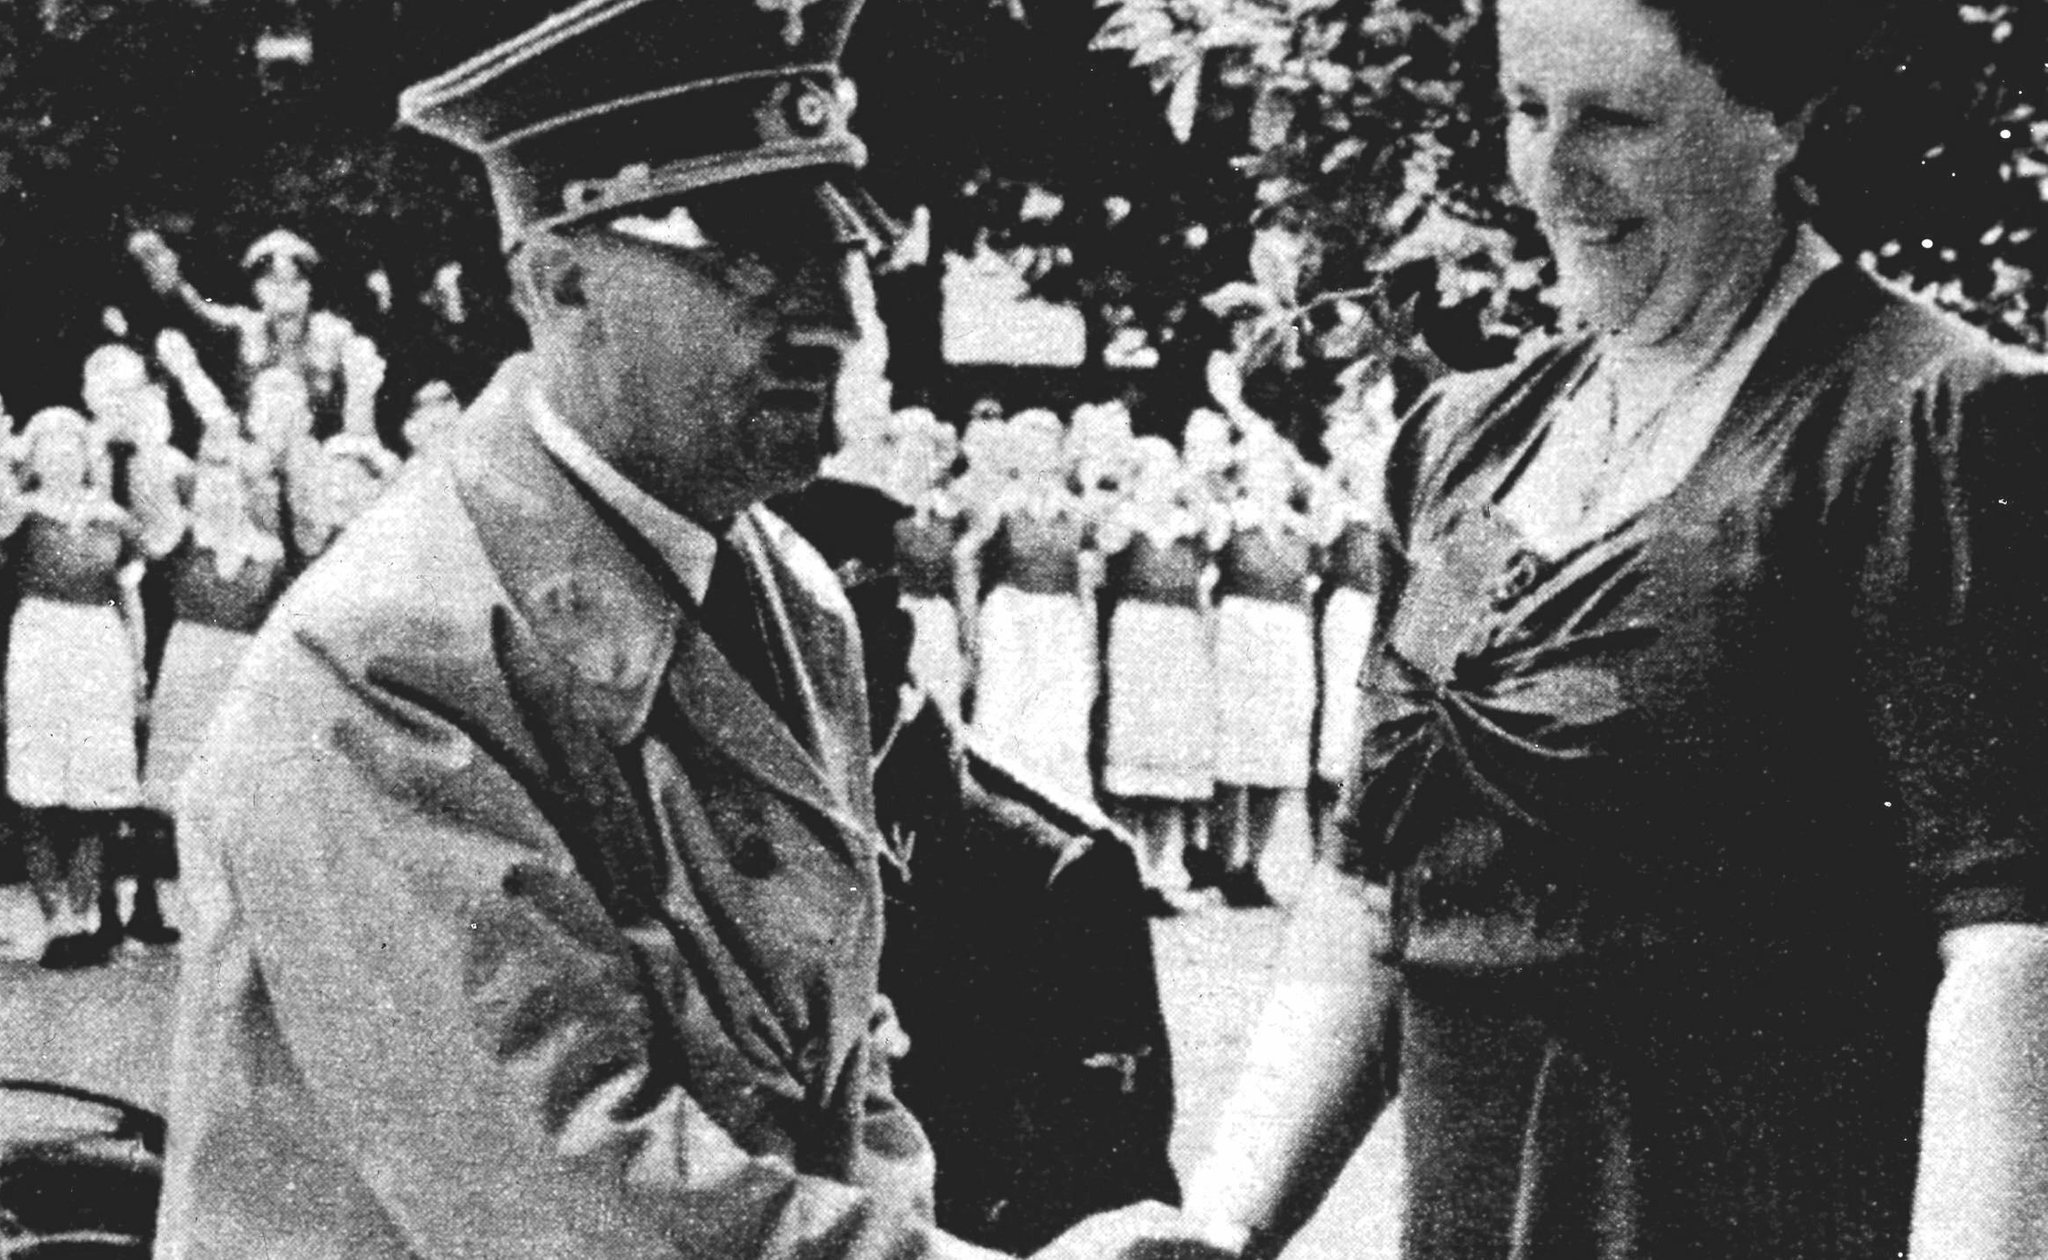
598 606
685 546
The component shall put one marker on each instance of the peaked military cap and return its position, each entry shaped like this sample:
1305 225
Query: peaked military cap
621 106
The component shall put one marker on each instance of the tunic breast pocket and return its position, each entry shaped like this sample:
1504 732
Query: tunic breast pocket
745 824
759 855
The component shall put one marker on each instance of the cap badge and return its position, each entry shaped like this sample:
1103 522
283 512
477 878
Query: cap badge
792 17
808 108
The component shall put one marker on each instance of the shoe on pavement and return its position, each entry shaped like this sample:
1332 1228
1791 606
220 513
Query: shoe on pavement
1243 890
152 932
77 950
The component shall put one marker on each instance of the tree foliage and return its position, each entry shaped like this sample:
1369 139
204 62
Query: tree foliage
1383 227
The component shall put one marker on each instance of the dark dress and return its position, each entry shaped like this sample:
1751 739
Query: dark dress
1674 820
1265 653
925 541
1035 689
215 617
1160 733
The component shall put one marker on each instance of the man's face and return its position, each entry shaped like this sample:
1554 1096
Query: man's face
719 367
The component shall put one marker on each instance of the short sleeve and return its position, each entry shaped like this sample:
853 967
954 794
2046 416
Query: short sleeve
1362 814
1951 608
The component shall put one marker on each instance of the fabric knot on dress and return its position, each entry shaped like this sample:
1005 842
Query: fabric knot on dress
1497 727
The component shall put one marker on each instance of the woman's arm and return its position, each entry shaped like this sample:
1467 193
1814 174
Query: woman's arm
1318 1073
175 352
160 514
362 375
1983 1188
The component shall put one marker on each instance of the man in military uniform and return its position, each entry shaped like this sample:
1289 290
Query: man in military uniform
533 870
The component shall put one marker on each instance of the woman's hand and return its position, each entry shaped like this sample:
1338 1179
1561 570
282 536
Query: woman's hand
1142 1231
1317 1073
1983 1188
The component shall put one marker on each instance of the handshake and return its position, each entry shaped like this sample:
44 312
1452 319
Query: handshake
1143 1231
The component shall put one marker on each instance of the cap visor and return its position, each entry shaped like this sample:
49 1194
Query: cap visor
773 213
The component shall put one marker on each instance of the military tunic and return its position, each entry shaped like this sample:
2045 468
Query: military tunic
523 924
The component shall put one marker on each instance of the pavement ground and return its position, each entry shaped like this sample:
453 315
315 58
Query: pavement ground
109 1029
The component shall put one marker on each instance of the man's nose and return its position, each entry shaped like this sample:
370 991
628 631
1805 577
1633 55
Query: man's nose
831 302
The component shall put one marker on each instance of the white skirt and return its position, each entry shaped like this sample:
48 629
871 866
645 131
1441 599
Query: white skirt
70 707
1265 693
1162 714
199 662
1036 685
935 661
1347 636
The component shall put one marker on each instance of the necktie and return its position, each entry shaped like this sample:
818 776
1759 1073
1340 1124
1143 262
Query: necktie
732 617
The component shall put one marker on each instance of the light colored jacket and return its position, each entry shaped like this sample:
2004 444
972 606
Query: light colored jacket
524 927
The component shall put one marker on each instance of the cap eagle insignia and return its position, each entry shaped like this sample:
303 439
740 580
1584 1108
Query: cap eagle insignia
792 17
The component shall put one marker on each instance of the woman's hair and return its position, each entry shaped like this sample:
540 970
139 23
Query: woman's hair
1778 55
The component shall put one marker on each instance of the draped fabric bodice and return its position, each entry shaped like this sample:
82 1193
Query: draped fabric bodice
1266 560
237 601
1160 572
1039 550
1669 745
924 553
1354 556
73 564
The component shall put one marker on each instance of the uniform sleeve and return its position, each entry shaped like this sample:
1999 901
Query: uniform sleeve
479 1034
1951 609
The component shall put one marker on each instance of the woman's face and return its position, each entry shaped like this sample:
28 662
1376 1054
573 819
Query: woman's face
60 460
1656 190
283 294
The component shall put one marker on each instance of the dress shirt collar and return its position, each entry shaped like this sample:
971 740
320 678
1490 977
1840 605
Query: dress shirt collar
688 547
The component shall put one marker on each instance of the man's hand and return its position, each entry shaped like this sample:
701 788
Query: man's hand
1142 1231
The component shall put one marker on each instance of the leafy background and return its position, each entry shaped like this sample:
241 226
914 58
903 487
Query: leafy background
1318 183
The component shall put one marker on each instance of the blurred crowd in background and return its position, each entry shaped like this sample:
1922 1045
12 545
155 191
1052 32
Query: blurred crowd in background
1172 632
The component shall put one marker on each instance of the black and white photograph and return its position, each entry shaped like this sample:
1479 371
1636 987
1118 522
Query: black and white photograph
1055 629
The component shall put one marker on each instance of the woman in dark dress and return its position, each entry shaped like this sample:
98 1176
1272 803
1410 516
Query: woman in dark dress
73 677
1265 669
1034 664
1695 846
1159 746
225 573
925 542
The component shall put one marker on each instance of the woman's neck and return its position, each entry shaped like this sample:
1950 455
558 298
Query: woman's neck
1741 310
1698 328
